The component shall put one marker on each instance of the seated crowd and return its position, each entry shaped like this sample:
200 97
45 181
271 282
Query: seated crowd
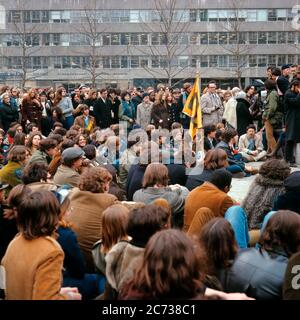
86 214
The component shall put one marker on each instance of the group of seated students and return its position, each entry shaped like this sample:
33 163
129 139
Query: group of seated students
79 221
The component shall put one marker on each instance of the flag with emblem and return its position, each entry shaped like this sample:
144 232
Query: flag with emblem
192 108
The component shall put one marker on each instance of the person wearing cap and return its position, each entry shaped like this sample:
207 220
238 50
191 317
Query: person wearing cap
286 71
67 173
143 112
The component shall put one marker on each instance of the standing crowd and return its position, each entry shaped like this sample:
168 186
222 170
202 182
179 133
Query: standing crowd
86 213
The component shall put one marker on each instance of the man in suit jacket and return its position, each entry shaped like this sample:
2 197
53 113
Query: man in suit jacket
210 137
211 105
103 110
212 195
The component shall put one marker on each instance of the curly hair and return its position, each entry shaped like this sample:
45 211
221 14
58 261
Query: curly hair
93 179
275 169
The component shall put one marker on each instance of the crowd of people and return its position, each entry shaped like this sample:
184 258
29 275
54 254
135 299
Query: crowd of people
88 213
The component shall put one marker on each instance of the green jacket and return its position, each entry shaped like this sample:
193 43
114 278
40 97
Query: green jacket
271 112
40 156
11 174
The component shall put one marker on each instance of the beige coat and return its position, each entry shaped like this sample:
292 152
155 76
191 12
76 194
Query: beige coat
86 219
66 175
33 269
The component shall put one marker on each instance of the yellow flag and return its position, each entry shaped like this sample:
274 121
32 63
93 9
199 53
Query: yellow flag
192 108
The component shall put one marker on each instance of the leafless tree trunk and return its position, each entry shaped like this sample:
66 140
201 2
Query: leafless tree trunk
239 50
93 31
24 33
172 24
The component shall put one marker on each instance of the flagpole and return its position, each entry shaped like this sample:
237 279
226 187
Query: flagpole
201 130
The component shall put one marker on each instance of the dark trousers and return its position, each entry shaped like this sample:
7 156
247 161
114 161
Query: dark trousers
289 151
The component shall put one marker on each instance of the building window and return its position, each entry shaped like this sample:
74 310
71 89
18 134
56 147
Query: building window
272 60
115 63
213 61
253 37
233 38
144 39
144 62
223 38
213 38
204 62
272 15
125 39
223 61
134 39
212 15
203 15
262 37
193 15
134 62
272 37
124 62
155 39
194 38
203 38
281 14
252 61
106 62
291 37
281 59
115 39
106 39
251 15
262 61
155 62
281 37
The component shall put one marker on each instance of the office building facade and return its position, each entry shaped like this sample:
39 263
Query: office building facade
124 43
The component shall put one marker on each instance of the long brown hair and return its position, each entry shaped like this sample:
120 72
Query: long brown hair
58 96
218 242
38 215
114 226
215 159
156 173
170 268
282 232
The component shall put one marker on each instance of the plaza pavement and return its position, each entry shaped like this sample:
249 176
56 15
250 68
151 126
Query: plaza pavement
240 187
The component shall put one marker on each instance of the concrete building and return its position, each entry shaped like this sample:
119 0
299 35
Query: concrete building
126 42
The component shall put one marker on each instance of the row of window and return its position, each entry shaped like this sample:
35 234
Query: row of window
143 39
136 16
132 62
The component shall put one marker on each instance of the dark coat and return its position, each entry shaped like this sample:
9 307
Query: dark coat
8 230
174 113
243 116
230 156
102 113
160 112
31 110
8 114
283 84
292 120
207 144
115 109
258 274
194 181
290 199
74 263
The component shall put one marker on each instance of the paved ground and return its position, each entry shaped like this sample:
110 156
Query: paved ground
240 187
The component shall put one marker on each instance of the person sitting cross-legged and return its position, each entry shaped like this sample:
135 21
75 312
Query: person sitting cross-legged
250 145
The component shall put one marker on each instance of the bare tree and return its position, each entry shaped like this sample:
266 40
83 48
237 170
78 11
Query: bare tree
92 30
27 37
237 47
169 40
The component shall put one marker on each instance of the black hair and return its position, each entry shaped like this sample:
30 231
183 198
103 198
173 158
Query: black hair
221 178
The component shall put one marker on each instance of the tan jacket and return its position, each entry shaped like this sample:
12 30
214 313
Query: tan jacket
33 269
208 196
66 175
86 219
79 121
